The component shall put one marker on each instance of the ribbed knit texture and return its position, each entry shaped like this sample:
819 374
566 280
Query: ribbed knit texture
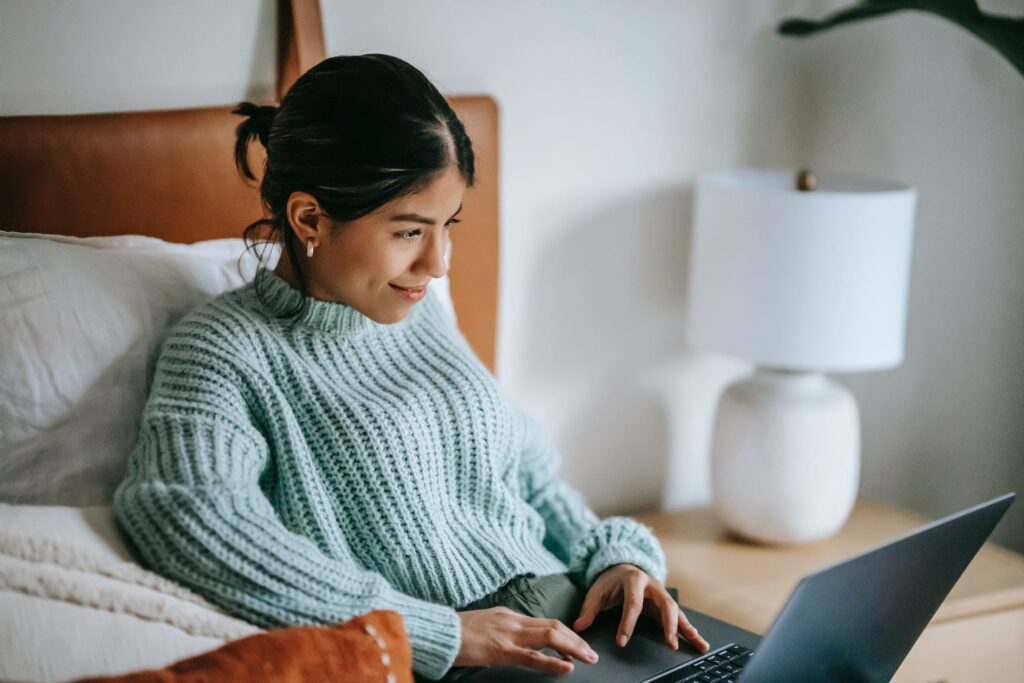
306 474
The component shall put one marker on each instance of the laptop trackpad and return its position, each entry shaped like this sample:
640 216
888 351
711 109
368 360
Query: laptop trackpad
645 655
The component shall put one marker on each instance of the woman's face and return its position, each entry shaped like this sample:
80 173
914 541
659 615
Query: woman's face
365 263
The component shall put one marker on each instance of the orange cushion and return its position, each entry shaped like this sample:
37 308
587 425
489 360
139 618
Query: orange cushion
365 648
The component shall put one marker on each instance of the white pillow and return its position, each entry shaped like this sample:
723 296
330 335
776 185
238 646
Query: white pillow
72 604
81 323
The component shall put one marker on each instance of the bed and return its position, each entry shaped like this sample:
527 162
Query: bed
112 226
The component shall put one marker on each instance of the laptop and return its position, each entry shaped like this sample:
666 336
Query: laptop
853 621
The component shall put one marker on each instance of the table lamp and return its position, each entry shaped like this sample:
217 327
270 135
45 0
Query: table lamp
802 276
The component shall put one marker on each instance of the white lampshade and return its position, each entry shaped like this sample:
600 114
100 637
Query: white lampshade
805 280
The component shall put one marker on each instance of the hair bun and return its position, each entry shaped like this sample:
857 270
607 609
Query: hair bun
260 118
256 125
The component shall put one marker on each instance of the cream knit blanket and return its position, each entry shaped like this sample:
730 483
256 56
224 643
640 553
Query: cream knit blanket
58 570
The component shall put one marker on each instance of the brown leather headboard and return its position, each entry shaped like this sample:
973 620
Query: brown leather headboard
171 174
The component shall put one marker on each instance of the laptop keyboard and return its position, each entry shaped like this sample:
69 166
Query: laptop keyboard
724 666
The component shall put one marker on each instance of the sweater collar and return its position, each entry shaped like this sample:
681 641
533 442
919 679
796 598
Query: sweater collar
336 319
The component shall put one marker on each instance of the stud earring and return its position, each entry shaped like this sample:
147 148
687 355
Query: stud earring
310 247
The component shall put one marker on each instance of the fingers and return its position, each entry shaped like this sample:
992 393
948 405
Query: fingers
592 604
556 635
669 617
688 631
632 605
535 659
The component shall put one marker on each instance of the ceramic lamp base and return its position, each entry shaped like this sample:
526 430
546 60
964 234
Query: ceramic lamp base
785 463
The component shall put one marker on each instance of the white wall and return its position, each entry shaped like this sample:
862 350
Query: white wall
66 56
609 109
916 98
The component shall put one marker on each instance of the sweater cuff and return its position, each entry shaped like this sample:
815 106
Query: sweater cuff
617 540
622 554
435 634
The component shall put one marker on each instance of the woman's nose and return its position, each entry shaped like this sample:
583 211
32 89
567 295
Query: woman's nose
432 259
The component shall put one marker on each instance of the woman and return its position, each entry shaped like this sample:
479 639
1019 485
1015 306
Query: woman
322 442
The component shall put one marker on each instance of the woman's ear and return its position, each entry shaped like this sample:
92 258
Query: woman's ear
305 217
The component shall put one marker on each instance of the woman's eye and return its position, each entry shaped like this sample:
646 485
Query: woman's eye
410 234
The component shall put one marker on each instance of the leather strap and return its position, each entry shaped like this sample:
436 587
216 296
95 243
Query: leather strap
300 41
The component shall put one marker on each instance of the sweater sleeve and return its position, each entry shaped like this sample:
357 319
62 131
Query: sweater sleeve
193 506
587 544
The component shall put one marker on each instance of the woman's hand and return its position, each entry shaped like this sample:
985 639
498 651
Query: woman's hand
499 636
640 593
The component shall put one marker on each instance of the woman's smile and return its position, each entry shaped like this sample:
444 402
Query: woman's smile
411 294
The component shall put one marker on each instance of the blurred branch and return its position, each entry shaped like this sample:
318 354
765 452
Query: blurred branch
1004 34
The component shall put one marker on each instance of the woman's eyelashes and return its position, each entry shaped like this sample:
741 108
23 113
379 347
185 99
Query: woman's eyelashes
408 235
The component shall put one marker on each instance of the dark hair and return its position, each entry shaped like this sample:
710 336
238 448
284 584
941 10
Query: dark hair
356 132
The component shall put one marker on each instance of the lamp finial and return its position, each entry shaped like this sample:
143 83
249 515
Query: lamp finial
805 180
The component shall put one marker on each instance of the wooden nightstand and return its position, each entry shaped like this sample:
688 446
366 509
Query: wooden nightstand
977 634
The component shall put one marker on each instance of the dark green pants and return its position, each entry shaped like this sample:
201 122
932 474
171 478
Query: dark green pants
553 596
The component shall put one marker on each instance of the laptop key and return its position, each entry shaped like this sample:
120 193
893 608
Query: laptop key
685 675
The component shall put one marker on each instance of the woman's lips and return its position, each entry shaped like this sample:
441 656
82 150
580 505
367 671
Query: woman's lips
412 294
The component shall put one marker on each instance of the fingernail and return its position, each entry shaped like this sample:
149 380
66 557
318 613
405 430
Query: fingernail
622 641
592 655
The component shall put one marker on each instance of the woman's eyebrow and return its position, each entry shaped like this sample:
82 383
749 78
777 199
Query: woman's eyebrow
416 218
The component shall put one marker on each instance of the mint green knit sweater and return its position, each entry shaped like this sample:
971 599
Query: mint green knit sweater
308 474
